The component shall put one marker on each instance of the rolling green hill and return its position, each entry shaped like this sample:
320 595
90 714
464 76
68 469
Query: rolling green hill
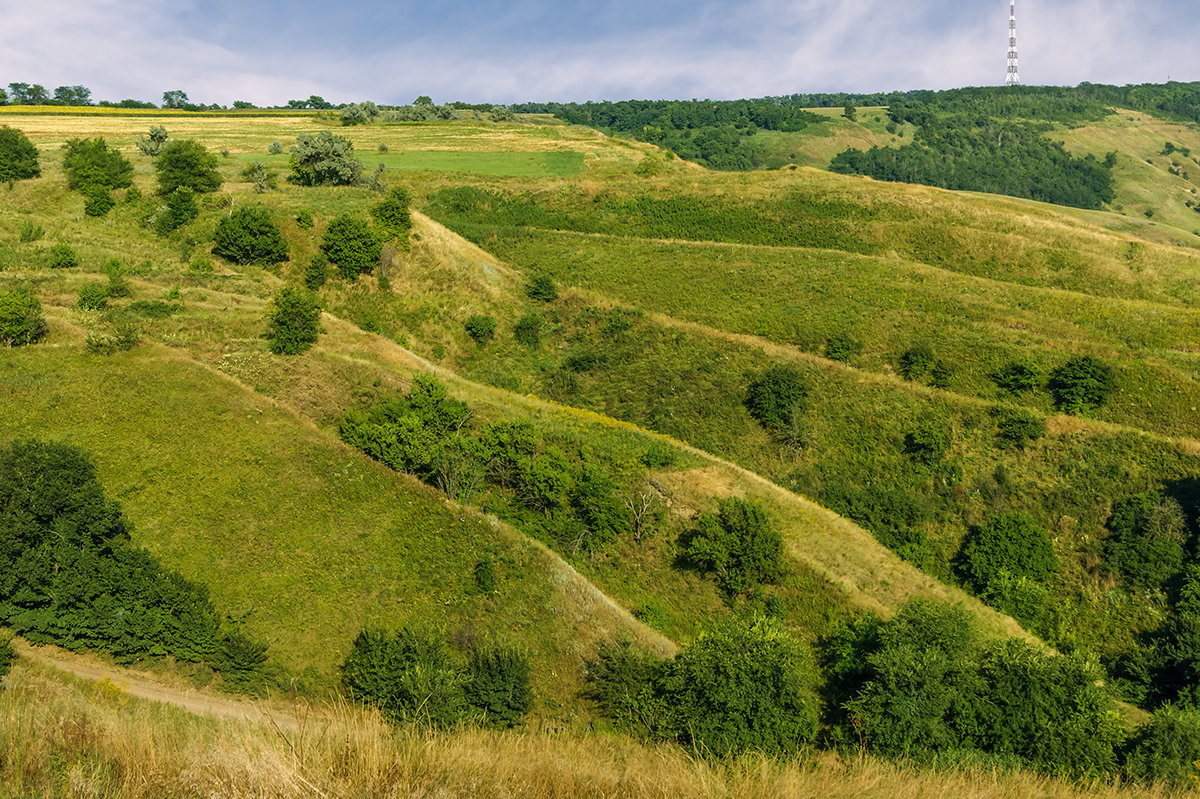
676 288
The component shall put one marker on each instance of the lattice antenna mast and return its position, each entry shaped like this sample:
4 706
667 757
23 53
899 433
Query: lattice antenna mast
1014 76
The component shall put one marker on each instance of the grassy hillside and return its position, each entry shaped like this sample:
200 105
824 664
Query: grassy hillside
676 288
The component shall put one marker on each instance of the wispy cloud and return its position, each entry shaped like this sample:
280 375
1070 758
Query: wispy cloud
489 50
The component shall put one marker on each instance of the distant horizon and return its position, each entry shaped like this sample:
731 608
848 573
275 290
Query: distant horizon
269 52
157 103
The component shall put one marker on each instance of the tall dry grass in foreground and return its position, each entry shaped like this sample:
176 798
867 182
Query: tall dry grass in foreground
60 739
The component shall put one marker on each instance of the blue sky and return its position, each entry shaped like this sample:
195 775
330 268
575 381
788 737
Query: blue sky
219 51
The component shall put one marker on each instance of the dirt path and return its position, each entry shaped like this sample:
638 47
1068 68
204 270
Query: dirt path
148 686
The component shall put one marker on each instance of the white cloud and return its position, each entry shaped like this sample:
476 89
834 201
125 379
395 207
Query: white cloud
137 48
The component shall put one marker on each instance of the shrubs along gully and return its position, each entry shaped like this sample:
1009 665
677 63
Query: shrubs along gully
921 686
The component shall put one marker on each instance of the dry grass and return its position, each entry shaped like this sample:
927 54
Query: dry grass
60 739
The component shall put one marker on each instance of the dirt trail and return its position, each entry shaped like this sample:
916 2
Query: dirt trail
147 686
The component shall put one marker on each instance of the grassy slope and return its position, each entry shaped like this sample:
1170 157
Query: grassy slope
70 738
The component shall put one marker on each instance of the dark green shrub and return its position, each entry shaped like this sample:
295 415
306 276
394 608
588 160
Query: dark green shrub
153 309
1146 538
408 676
18 156
250 236
480 328
1016 427
1011 543
97 201
69 575
499 685
892 515
293 321
186 163
624 684
92 164
929 443
317 272
915 361
30 231
304 219
541 287
180 208
21 320
597 506
1165 749
737 545
275 148
485 576
62 256
351 245
1082 384
941 374
580 362
741 688
1016 377
324 160
842 346
528 330
241 662
778 398
92 296
391 215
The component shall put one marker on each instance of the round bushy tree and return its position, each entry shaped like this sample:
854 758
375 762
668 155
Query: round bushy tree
90 163
1008 543
480 328
778 398
1145 545
1082 383
18 156
186 162
294 321
93 296
21 320
324 160
742 688
738 545
1166 748
250 236
352 245
62 256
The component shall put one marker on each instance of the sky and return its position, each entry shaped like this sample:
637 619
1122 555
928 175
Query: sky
270 51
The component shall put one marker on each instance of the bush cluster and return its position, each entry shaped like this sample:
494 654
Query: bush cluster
737 545
18 156
69 574
743 686
21 320
351 245
572 505
293 321
412 677
250 236
324 160
186 163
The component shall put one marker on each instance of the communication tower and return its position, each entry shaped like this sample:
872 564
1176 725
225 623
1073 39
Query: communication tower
1014 77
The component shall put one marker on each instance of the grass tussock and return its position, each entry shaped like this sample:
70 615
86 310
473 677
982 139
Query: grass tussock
90 740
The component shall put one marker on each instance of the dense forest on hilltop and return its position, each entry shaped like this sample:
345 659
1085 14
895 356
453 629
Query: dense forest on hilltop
989 139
